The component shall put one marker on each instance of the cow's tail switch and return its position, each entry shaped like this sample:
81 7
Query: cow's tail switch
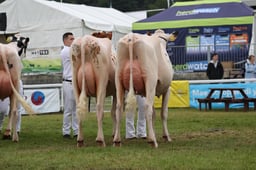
22 101
81 106
130 99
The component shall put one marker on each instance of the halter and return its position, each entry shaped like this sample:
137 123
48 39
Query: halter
163 38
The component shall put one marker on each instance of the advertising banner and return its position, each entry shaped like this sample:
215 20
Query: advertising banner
43 100
179 96
202 90
203 27
42 60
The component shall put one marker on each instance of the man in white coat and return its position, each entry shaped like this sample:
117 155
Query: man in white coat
69 115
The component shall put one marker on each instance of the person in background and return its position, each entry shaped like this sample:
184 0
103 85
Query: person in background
141 122
215 69
250 67
5 107
69 115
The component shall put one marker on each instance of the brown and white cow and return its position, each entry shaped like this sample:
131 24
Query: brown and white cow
93 66
103 34
144 60
10 72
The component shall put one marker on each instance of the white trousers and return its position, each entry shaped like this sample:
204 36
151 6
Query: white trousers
141 121
69 115
4 110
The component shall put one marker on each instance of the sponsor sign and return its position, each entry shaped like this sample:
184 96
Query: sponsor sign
43 100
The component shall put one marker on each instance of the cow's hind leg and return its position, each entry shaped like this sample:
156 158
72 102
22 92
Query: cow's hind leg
164 115
80 136
7 132
119 111
113 115
149 116
99 110
15 136
12 121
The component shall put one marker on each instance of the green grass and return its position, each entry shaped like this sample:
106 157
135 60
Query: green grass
201 140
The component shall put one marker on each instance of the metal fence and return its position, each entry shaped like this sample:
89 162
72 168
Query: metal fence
196 58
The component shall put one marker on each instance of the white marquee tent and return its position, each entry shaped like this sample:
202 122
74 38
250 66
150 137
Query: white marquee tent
46 21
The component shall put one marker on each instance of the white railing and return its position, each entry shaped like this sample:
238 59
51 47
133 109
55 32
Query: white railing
221 81
107 103
108 100
184 58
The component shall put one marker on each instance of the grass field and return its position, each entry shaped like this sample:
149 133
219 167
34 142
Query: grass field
201 140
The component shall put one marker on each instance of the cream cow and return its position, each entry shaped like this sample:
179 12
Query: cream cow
93 76
10 72
144 60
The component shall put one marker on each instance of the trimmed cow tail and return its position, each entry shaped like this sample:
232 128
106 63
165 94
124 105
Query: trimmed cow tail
25 105
130 107
82 100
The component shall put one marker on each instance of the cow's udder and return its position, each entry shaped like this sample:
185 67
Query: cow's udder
90 81
138 82
5 85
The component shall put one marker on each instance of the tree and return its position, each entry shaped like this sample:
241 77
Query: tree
124 5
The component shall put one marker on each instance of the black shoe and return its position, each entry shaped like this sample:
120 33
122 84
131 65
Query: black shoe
67 136
75 136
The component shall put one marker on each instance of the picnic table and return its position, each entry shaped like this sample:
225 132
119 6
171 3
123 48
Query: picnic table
226 100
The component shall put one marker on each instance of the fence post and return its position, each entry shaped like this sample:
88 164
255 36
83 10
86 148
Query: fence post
208 53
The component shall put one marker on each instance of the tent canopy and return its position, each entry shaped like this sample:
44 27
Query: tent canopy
199 13
203 26
45 21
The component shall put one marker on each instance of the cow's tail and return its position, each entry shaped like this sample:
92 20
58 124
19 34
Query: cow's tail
25 105
131 98
82 100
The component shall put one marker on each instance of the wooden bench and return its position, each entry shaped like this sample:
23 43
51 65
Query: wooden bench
248 100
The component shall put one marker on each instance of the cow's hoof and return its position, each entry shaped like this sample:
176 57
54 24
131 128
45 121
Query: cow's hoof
153 144
7 137
15 141
117 144
80 143
100 143
167 138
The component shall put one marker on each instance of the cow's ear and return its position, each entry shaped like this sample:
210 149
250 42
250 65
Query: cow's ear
172 37
27 40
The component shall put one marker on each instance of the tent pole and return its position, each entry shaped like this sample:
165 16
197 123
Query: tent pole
254 32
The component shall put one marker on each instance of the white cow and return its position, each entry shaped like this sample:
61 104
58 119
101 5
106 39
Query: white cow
10 72
93 76
144 60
